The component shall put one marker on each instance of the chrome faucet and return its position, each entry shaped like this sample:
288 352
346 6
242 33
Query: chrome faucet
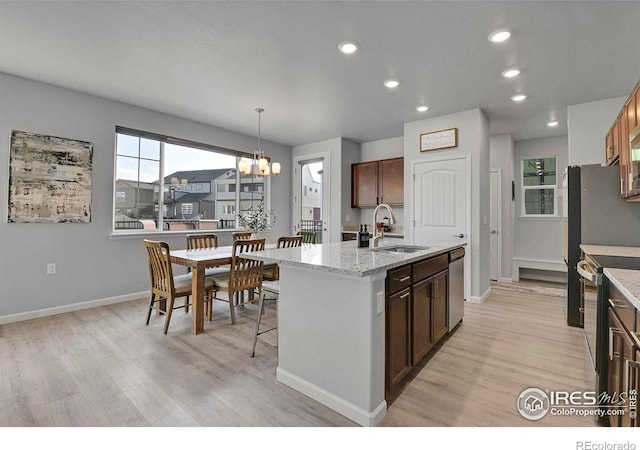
379 235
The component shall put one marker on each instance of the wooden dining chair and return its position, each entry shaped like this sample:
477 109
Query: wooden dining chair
271 271
195 241
245 275
164 285
241 235
308 237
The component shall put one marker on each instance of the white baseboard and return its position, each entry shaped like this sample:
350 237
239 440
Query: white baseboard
482 298
28 315
505 280
349 410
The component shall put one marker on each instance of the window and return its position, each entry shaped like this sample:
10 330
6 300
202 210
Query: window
187 208
153 175
539 182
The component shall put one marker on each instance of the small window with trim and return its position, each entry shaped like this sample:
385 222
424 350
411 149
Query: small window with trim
539 184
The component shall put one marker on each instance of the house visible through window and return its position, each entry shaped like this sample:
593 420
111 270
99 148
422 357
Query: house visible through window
539 183
155 175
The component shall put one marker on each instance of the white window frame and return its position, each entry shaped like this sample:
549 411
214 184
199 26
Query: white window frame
524 189
266 182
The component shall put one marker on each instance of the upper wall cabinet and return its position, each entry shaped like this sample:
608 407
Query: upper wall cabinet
376 182
618 148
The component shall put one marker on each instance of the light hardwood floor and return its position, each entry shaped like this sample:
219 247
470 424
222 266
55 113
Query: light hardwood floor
103 367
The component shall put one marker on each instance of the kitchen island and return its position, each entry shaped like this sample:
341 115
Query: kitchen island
331 322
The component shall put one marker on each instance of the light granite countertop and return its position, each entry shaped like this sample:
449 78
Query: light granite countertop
610 250
627 281
346 258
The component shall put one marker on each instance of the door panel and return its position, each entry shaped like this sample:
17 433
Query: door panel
440 205
422 340
494 225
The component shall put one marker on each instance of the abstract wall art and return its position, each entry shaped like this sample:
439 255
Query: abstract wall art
49 179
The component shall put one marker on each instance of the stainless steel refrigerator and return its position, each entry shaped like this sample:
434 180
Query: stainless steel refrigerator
593 213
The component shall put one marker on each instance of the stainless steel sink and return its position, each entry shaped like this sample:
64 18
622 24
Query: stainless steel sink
400 249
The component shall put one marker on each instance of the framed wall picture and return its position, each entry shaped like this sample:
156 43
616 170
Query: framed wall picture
438 140
49 179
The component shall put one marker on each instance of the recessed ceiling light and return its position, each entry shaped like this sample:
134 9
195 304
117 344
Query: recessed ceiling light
518 97
348 47
510 73
499 36
392 83
553 123
422 108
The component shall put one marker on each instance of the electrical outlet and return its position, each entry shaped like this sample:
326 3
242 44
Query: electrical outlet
51 268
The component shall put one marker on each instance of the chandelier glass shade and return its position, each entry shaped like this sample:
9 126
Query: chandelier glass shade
258 165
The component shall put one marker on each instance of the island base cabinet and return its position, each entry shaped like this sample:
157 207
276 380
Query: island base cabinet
439 322
398 343
622 360
422 340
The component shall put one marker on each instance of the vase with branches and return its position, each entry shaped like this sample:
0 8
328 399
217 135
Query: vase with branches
257 218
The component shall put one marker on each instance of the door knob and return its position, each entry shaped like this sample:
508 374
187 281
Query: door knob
493 231
459 235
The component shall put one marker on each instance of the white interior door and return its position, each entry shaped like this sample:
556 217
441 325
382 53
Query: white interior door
440 203
494 224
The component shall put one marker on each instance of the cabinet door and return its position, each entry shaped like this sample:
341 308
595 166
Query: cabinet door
609 146
616 140
622 354
391 181
422 340
398 355
631 112
625 153
364 184
440 296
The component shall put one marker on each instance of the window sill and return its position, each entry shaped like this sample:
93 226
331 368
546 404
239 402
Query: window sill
156 233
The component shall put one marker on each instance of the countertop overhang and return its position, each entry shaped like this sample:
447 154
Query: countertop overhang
610 250
627 281
346 258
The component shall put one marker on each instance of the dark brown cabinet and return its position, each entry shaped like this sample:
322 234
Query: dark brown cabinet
416 314
376 182
622 352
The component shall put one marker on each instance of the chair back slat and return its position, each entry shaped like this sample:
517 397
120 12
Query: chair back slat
241 235
160 267
289 241
308 237
246 273
196 241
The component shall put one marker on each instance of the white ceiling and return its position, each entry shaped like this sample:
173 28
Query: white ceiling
215 62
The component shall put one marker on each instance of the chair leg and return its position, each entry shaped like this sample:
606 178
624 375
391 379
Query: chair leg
212 297
151 301
186 304
260 307
232 309
168 318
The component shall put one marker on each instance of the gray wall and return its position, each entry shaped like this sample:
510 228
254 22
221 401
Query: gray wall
539 239
473 140
93 267
587 127
501 157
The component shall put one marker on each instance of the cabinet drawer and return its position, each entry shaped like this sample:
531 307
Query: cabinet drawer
399 278
623 308
425 269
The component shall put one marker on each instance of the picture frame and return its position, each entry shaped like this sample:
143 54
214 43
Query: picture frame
49 179
439 140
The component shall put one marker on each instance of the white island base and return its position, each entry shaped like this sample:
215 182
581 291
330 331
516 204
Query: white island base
331 341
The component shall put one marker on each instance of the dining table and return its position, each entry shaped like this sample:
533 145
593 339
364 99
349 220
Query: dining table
199 260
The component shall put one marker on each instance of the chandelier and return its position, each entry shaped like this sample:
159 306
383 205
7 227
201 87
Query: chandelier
259 165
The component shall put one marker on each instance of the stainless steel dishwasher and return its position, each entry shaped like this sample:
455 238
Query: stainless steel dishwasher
455 309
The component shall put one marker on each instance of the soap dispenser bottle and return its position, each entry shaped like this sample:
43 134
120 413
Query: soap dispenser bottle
365 237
